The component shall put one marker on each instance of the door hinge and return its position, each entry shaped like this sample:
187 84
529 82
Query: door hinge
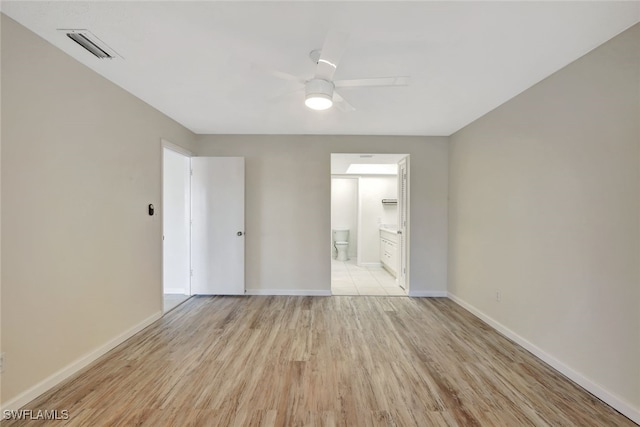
191 273
191 172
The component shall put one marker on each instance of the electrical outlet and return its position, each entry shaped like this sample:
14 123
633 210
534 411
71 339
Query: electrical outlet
1 362
498 296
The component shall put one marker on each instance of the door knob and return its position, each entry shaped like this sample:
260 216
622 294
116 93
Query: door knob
239 233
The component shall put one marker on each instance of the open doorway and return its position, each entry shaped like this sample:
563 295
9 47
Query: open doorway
176 228
369 224
202 225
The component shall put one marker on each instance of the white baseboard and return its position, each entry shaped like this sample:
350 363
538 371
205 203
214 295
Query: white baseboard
293 292
71 369
619 404
427 294
178 291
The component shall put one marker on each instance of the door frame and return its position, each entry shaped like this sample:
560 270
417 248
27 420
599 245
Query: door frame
406 234
406 240
165 144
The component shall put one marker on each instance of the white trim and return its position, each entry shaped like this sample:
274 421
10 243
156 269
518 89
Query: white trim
622 406
173 291
173 147
428 294
406 236
361 175
295 292
370 264
73 368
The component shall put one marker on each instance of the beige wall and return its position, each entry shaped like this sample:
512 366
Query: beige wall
81 160
0 201
288 199
544 208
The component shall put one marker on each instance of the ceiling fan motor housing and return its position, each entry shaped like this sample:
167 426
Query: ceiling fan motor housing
319 87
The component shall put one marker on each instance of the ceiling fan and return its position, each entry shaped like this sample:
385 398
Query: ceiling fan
320 93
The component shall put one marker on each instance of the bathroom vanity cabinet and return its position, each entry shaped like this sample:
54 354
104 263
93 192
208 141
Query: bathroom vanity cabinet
389 250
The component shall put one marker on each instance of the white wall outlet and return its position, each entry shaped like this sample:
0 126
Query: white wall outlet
498 296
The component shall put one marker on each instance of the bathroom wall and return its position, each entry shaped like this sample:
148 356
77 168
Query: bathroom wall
373 213
344 209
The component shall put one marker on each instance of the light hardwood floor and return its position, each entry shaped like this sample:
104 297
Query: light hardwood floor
349 361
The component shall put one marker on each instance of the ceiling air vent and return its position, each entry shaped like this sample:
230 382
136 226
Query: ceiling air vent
90 42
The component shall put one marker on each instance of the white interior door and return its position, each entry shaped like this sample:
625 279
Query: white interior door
176 215
217 230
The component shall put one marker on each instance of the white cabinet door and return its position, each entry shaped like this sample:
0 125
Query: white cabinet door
389 252
392 259
217 230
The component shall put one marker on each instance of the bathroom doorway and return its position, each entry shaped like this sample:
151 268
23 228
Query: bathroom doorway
369 224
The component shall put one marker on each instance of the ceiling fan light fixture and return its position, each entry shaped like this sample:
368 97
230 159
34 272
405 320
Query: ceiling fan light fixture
318 101
318 94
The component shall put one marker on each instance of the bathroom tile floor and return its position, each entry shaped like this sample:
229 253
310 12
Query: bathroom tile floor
347 278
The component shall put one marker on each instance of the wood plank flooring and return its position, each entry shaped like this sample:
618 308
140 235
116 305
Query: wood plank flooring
321 361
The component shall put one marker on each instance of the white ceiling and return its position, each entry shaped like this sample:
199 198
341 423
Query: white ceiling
192 60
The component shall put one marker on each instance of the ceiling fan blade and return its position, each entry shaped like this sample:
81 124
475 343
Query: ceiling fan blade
379 82
277 73
341 104
277 98
332 50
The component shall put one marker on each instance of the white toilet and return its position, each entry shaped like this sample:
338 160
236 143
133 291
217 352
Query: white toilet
341 244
